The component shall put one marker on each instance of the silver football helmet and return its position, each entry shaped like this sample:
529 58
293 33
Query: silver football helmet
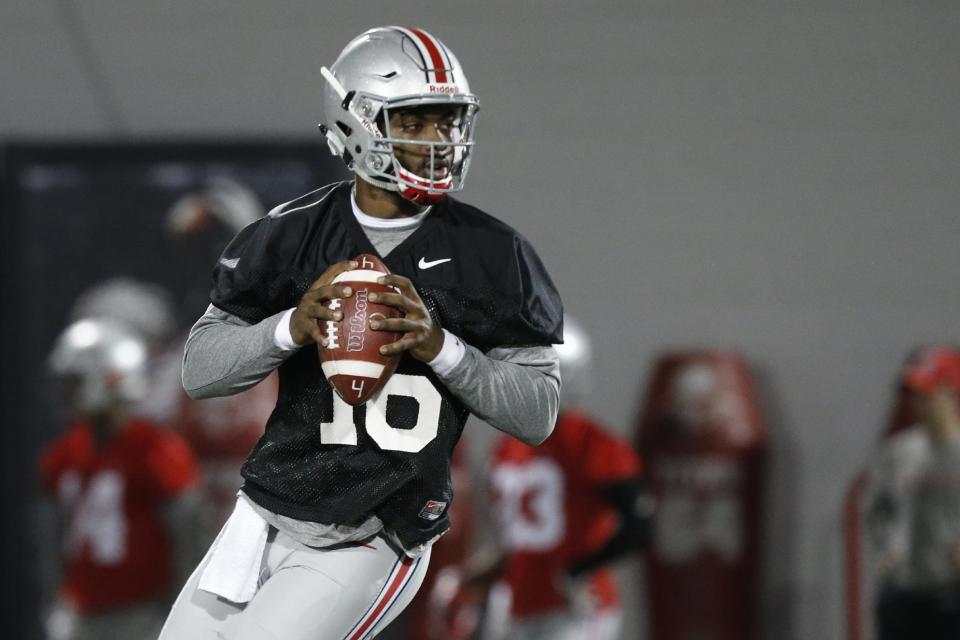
384 70
576 364
145 307
104 361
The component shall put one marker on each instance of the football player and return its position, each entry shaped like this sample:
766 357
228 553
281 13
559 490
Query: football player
220 431
331 533
125 488
565 510
914 513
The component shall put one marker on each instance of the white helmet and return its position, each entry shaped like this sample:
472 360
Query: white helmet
224 199
145 307
390 68
105 359
576 364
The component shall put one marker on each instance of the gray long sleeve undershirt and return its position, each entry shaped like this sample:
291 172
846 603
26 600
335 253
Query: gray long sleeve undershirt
515 390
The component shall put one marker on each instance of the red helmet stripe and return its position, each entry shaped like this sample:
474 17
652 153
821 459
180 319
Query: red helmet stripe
447 61
433 50
421 50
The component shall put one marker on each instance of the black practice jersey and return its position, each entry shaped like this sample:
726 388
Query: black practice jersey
322 460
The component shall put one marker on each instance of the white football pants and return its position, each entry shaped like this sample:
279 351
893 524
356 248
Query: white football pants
350 592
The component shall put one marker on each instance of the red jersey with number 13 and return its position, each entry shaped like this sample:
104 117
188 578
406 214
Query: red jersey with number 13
551 509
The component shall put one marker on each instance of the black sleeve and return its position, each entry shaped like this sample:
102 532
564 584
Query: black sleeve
535 317
635 506
250 278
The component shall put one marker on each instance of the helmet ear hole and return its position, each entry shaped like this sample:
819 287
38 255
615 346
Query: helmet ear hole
344 128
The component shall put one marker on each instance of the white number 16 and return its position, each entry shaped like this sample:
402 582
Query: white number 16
342 430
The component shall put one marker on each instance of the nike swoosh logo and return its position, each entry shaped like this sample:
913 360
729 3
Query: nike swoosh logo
423 264
231 263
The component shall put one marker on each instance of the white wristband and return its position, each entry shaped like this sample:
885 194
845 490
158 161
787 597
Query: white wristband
281 335
451 353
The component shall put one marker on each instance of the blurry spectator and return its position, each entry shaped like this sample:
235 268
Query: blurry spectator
914 508
123 489
565 510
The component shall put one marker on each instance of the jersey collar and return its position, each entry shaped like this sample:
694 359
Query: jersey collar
396 258
372 222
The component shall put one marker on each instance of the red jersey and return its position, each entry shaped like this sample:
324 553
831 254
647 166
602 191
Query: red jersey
117 550
552 512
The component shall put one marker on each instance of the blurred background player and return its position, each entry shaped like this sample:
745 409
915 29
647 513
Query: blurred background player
565 510
124 491
221 431
914 512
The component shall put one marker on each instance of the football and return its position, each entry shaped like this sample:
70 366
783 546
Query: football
351 360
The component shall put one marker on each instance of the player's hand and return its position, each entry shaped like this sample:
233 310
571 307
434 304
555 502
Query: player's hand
421 337
306 320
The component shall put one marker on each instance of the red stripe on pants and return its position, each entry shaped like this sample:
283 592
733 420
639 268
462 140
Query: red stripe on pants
397 581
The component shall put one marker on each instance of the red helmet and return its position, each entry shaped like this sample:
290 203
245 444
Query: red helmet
933 368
